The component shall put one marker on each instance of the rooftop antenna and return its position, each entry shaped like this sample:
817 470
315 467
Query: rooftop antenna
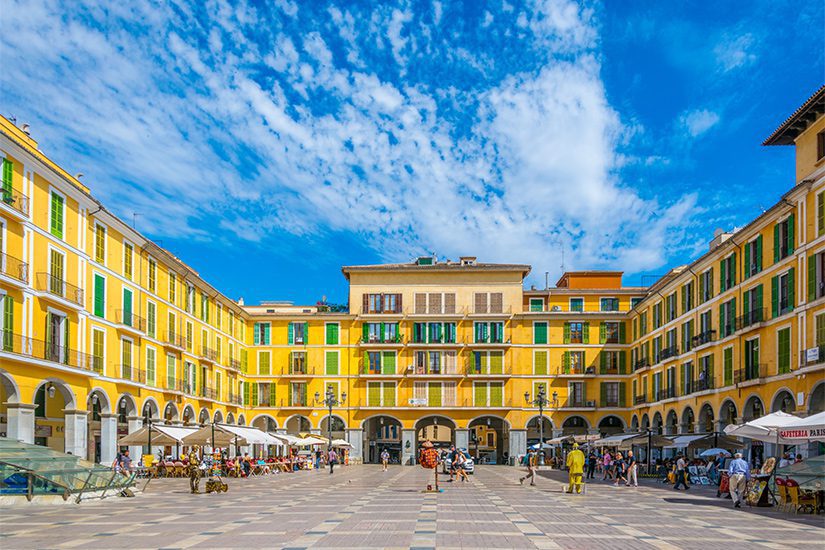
134 219
562 256
546 280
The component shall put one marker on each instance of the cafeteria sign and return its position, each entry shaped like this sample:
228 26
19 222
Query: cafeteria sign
802 433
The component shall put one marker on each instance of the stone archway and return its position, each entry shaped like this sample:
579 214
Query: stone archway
672 423
610 425
382 432
241 420
634 423
188 414
218 417
575 425
101 428
440 430
754 408
706 419
816 401
171 413
727 414
645 422
783 401
298 423
533 431
57 423
489 439
658 425
688 421
203 416
339 427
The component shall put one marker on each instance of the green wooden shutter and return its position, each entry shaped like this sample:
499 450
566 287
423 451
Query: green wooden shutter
540 333
434 394
256 336
603 362
496 362
747 272
758 261
566 333
388 393
621 394
602 333
8 175
373 394
791 230
792 288
8 323
272 394
480 394
746 302
775 296
784 351
776 243
246 394
331 334
602 394
254 394
388 362
722 321
565 362
812 272
127 307
365 332
759 302
701 289
727 361
267 340
540 362
496 394
100 296
622 362
332 362
306 333
290 334
586 333
622 331
57 216
723 266
820 213
732 274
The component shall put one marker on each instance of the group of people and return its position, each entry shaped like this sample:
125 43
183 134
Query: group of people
621 468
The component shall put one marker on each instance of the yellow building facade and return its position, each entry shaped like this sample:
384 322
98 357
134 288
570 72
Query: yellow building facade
102 329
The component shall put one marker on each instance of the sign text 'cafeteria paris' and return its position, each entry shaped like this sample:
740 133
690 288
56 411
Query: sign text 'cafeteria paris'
802 434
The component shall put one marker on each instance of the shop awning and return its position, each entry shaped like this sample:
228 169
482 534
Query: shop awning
765 428
230 434
341 443
162 434
683 441
626 441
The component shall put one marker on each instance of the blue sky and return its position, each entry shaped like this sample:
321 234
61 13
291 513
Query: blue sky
267 144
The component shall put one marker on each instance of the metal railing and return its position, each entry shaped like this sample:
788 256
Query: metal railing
234 398
703 338
428 370
234 364
297 370
803 357
610 403
377 339
750 372
571 403
129 319
208 393
47 351
575 370
16 200
489 310
702 384
209 354
175 339
420 311
60 288
491 340
641 364
302 402
668 352
14 268
376 370
131 372
489 370
785 307
751 318
639 399
441 340
666 393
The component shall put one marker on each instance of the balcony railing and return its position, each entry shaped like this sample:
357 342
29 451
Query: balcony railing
16 200
129 319
440 340
294 402
577 403
819 357
611 340
131 372
667 393
377 339
492 310
488 370
491 340
609 403
639 399
234 364
208 393
429 370
234 398
750 372
60 288
751 318
175 339
376 370
703 338
208 354
785 307
641 364
46 351
703 384
575 370
297 370
14 268
668 352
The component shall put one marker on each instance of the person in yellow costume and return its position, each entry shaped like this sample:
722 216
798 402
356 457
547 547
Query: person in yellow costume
575 466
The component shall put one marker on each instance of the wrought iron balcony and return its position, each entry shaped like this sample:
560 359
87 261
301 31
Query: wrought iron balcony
174 339
298 370
702 384
377 339
641 364
234 398
130 371
14 268
750 372
234 364
60 288
703 338
47 351
668 352
750 318
131 320
639 399
15 200
208 354
667 393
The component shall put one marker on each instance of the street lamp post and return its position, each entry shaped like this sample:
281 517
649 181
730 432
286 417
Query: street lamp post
330 401
540 401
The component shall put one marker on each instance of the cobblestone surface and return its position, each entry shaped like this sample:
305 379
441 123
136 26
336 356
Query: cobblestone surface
362 507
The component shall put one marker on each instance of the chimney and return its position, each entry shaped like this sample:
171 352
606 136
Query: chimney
240 301
719 237
26 129
467 260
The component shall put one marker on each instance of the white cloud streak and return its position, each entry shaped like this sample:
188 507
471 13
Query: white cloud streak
262 131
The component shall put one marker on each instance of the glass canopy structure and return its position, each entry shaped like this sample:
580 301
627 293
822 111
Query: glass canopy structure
32 470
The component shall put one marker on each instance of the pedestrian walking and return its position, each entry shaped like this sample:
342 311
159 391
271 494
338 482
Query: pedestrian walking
459 462
607 463
532 465
333 459
575 465
385 459
632 465
592 461
619 468
681 474
739 474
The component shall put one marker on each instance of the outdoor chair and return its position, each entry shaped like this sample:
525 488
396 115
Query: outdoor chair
169 469
179 470
801 501
782 493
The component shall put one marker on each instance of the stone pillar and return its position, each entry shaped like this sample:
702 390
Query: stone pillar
108 440
20 422
518 444
408 447
356 439
75 432
134 424
462 438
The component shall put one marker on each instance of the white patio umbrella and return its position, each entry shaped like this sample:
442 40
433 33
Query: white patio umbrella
811 428
764 428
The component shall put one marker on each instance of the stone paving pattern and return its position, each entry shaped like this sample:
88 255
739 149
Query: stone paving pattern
362 507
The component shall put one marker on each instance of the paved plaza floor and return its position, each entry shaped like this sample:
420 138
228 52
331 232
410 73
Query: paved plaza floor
362 507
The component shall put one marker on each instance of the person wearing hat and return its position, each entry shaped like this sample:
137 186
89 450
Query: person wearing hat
739 473
575 467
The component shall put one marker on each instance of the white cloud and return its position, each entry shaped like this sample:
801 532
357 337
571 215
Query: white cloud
191 139
733 52
699 121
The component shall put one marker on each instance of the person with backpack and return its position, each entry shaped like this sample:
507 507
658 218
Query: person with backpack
532 462
385 459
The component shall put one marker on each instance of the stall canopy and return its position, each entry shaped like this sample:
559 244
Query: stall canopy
626 441
811 428
162 434
765 428
340 443
705 441
226 434
310 440
286 438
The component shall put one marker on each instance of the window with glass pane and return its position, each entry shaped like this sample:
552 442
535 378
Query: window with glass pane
610 304
576 333
576 304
